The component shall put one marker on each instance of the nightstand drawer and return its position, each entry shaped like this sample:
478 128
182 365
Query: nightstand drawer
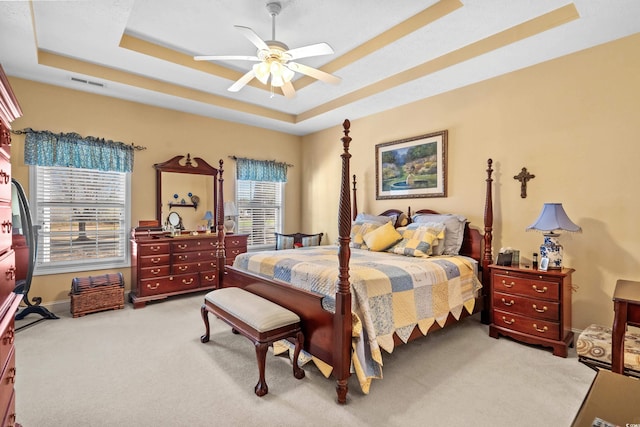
526 287
530 307
527 325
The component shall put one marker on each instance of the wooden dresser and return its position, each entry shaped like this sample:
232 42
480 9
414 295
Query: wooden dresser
163 266
532 306
9 111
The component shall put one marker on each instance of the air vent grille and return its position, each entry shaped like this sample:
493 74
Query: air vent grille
87 82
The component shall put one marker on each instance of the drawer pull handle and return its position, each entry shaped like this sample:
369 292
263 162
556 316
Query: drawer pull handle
541 291
508 322
155 270
540 310
544 329
209 278
155 260
155 248
182 246
183 267
508 285
187 282
156 286
508 303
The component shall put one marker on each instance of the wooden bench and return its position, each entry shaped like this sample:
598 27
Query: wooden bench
258 319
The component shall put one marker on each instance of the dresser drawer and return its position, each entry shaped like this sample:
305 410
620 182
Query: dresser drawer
189 245
6 341
7 274
8 379
5 179
536 288
153 249
208 278
6 226
235 242
527 325
157 271
193 256
163 285
531 307
154 260
185 267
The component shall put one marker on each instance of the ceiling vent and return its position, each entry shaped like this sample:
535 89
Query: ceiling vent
87 82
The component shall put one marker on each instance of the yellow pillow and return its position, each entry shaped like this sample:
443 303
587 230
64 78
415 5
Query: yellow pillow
357 234
382 237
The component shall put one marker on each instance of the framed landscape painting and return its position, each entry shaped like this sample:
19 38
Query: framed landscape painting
412 167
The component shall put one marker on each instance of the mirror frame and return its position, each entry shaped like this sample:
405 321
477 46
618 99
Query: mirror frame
174 165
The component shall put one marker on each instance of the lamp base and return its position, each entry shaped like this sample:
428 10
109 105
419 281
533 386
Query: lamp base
229 225
552 250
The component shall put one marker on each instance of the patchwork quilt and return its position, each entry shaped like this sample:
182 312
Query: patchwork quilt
390 293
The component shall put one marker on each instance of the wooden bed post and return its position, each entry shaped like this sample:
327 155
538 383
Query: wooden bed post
342 319
354 209
219 208
488 255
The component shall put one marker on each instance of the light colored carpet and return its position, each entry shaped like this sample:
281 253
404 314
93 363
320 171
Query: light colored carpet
147 367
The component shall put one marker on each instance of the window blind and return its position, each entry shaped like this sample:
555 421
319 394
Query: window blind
259 210
82 219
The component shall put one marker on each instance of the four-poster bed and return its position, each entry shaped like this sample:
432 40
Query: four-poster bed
328 322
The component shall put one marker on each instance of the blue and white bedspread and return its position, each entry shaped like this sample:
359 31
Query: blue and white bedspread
390 293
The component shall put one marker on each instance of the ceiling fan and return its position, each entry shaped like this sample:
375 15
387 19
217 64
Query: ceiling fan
274 59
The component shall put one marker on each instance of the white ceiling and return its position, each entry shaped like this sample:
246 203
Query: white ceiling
388 53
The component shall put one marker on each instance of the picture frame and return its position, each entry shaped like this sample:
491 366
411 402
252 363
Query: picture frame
412 167
544 264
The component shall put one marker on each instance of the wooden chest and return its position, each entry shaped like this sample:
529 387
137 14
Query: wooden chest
96 293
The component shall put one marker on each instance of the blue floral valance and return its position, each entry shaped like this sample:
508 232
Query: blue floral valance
261 170
44 148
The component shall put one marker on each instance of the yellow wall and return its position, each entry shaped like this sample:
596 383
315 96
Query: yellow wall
572 122
165 133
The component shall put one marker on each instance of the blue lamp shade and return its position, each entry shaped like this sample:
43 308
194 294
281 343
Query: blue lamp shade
552 219
209 217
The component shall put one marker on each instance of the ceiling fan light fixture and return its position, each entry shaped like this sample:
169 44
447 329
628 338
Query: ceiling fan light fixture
262 72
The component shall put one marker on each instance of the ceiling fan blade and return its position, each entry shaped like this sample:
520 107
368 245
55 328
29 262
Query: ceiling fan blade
226 58
253 37
314 72
311 50
242 81
288 90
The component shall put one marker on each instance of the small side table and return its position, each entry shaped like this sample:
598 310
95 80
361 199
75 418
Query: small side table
626 303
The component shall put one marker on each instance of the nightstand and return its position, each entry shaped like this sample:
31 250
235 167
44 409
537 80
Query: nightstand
532 306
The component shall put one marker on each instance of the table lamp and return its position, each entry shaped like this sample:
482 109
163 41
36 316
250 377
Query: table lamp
230 212
209 217
553 218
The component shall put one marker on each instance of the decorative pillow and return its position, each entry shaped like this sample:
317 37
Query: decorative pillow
454 231
284 241
382 237
378 219
358 231
313 240
419 240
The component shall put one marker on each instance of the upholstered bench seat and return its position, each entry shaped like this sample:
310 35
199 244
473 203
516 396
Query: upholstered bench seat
594 349
258 319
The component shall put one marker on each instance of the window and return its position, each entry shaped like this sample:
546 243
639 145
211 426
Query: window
260 210
81 218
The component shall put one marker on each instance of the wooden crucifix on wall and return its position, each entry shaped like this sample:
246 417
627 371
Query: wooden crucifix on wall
524 176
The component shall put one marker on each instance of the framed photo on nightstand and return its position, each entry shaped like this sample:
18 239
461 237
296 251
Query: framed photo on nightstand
544 264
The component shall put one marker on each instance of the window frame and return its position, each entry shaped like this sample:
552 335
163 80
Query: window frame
88 264
279 218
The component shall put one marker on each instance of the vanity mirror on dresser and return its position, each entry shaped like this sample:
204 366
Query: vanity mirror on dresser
167 263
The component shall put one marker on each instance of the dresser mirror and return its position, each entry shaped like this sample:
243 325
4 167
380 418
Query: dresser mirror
186 187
